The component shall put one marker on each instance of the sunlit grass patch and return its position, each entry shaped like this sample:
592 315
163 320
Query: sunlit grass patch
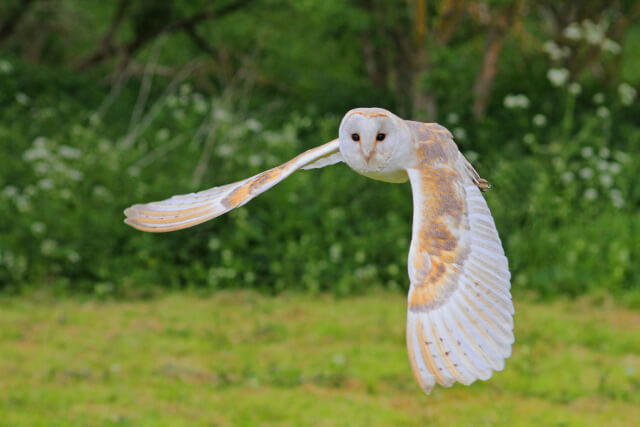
239 358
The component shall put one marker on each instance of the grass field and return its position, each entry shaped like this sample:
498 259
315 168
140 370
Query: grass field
247 359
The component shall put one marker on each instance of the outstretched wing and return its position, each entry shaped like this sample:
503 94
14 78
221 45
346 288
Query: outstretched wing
187 210
460 314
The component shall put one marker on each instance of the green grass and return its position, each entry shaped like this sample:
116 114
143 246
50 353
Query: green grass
239 358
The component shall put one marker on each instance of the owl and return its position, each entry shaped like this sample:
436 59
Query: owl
459 312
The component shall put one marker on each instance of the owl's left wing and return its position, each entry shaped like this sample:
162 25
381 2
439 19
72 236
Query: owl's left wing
187 210
460 314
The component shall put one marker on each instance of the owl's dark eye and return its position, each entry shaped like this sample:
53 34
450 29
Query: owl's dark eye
380 136
355 136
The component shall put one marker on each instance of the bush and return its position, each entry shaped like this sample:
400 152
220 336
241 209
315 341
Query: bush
564 196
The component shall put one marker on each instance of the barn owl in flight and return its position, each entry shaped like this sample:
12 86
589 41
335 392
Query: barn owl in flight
460 314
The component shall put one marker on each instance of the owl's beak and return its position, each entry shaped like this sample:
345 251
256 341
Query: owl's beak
367 150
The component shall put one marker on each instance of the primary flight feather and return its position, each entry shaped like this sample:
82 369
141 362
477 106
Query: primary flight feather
460 314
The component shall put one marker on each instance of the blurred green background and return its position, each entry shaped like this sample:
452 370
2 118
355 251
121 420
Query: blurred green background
106 104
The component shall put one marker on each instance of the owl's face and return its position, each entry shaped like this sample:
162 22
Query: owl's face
375 143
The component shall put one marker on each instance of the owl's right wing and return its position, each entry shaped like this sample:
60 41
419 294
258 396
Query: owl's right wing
187 210
460 314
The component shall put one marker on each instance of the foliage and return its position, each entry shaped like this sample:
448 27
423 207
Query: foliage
243 359
248 87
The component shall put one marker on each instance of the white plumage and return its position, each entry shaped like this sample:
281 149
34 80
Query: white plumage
460 314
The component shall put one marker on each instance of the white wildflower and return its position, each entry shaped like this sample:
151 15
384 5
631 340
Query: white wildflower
185 89
22 203
606 180
38 227
255 160
253 125
516 101
529 138
453 118
22 99
540 120
567 176
73 257
604 153
575 89
594 33
558 76
614 168
225 150
591 194
586 173
74 174
69 152
611 46
616 198
40 142
602 112
36 153
556 52
221 114
30 190
598 98
66 194
5 66
101 192
460 133
95 119
48 247
586 152
10 191
214 244
200 104
621 156
335 252
573 31
45 184
627 93
603 165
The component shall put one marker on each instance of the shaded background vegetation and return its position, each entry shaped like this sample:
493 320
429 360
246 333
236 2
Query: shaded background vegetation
105 104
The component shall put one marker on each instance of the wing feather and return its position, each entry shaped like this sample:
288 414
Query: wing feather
460 315
187 210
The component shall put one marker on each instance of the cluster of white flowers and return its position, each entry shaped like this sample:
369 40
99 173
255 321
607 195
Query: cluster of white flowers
598 98
453 118
616 198
556 52
558 76
598 169
22 99
459 133
575 89
5 67
516 101
603 112
593 34
540 120
627 93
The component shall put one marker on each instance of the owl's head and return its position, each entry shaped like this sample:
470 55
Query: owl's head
374 140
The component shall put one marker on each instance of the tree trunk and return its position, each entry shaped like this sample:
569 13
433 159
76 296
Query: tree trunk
484 81
9 25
